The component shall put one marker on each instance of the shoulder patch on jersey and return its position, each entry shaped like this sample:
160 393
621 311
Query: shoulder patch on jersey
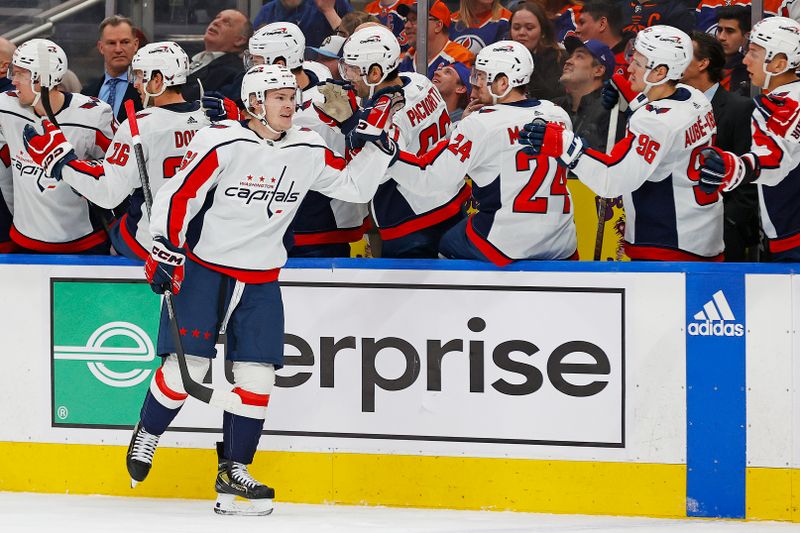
305 129
218 126
90 104
141 114
486 110
657 110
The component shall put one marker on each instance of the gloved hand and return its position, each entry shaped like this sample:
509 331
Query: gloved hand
720 170
783 112
218 107
618 85
50 149
551 139
164 267
340 104
375 119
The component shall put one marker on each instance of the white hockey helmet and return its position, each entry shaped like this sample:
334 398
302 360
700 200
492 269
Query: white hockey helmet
777 35
166 58
509 58
373 45
279 40
257 81
667 46
45 60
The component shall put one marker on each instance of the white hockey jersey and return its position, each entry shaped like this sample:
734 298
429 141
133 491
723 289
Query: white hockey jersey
524 206
778 183
6 201
324 220
656 170
234 198
48 215
419 126
165 133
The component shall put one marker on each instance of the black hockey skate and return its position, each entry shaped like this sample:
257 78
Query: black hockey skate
140 454
237 492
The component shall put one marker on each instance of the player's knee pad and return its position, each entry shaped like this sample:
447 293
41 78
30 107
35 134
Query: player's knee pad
253 383
167 385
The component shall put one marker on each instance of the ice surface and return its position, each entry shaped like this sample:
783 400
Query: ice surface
22 512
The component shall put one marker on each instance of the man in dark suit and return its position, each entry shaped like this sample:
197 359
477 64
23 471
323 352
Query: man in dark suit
117 45
6 51
225 39
732 113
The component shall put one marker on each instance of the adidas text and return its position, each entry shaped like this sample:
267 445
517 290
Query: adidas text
717 329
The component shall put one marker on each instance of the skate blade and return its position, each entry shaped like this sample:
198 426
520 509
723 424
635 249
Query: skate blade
229 504
134 483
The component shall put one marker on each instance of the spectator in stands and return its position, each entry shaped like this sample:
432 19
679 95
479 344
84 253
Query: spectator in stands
6 51
328 54
386 13
117 44
732 113
220 62
70 83
453 84
478 23
601 20
706 19
531 27
353 20
640 14
733 26
316 18
589 64
441 50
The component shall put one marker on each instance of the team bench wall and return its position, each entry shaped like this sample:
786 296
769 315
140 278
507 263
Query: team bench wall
607 388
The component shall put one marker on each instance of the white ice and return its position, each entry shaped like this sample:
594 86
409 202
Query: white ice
22 512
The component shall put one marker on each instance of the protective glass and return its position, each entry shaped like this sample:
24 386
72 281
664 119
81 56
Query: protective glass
136 77
251 60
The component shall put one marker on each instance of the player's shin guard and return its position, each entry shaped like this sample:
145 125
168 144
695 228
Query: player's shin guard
254 382
162 403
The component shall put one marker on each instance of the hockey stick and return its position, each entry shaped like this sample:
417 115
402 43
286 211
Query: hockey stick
602 205
227 400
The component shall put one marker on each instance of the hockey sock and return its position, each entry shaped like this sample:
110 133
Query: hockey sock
240 435
156 418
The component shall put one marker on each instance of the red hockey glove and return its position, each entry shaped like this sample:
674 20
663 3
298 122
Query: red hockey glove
376 117
551 139
50 149
782 112
724 171
217 107
618 86
164 267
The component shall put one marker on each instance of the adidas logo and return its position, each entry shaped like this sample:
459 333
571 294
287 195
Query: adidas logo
191 121
716 319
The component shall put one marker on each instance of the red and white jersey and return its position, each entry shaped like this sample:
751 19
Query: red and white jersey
165 133
524 207
241 193
778 153
783 8
656 170
418 127
324 220
48 215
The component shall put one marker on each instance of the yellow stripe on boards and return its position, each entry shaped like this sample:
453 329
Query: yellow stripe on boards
574 487
773 494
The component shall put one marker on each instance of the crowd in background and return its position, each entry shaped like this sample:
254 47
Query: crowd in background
576 46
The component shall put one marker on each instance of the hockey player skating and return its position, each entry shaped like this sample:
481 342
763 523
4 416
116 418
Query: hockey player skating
524 207
49 217
222 219
773 164
159 72
656 166
410 223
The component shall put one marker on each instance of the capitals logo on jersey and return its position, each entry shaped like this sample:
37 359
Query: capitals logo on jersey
254 189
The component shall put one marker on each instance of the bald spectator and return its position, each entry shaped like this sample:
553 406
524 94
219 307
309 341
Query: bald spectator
316 18
117 44
6 51
220 62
